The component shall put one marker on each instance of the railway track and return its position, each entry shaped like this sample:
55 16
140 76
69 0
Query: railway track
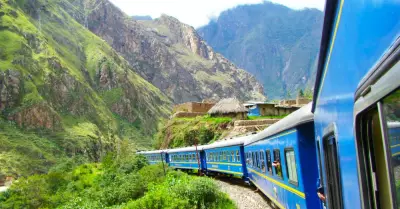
245 196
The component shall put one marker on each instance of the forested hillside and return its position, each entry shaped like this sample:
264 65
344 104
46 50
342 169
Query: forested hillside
276 44
64 92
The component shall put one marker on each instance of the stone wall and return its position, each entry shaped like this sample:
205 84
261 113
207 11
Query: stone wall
197 107
267 109
302 101
187 114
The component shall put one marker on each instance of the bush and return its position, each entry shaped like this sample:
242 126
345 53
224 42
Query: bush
183 191
131 184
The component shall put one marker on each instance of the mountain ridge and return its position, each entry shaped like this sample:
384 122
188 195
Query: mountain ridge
273 42
180 69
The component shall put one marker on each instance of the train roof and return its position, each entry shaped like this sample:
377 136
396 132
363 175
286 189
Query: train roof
152 152
394 124
185 149
327 32
228 142
300 116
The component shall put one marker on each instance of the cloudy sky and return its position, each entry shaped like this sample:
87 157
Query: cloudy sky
198 12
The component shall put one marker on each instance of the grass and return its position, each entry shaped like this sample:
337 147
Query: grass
59 61
180 132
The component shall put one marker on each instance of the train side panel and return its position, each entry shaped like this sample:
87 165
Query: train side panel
184 160
284 192
309 168
226 160
361 33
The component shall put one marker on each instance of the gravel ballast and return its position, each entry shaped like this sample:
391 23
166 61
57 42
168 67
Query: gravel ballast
244 196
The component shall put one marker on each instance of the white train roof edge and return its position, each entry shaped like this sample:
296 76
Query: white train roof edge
300 116
186 149
228 142
152 152
394 124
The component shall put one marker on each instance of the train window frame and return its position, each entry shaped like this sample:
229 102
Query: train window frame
280 162
257 159
380 82
291 181
262 161
233 158
252 159
329 144
269 161
237 156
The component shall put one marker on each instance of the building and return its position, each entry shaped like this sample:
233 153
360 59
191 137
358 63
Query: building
260 108
194 107
230 107
284 107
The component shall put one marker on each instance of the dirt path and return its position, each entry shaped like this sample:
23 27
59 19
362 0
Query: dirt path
244 196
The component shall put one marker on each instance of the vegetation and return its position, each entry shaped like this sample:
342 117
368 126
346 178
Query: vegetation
115 183
65 92
180 132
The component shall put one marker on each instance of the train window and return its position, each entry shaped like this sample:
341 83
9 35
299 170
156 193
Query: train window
251 158
237 156
253 161
257 159
291 167
262 161
269 162
232 156
334 191
277 163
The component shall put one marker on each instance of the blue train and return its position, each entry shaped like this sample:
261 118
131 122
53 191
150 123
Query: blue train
277 160
343 150
356 99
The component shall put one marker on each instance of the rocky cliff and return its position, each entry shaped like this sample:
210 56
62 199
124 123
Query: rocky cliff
167 53
278 45
65 92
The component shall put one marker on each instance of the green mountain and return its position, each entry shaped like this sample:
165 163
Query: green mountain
276 44
167 53
64 92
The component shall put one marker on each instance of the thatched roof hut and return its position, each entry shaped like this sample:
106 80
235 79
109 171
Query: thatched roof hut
230 107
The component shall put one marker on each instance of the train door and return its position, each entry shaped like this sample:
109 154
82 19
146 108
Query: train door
333 190
377 117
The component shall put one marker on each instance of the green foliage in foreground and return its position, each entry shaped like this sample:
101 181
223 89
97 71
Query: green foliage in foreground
180 190
115 183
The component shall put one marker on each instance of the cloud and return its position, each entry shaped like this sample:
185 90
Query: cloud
198 12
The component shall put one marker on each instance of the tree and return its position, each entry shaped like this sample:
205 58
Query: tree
301 93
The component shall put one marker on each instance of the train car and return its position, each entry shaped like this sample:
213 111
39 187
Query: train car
226 157
356 97
187 158
281 161
156 156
